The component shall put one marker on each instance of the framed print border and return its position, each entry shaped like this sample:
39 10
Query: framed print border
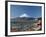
6 18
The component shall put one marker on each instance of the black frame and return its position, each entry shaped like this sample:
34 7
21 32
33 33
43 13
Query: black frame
6 18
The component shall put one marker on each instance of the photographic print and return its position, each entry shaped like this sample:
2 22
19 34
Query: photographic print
25 18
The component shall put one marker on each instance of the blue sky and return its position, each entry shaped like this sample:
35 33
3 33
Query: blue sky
32 11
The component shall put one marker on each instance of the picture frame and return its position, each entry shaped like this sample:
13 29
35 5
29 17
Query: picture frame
8 9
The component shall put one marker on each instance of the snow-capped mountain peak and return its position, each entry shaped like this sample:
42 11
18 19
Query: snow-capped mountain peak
24 15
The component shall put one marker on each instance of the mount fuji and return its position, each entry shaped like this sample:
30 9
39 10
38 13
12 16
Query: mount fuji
24 15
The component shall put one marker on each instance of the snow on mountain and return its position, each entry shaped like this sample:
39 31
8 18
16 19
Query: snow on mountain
24 15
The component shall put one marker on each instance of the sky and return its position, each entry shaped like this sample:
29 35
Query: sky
32 11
